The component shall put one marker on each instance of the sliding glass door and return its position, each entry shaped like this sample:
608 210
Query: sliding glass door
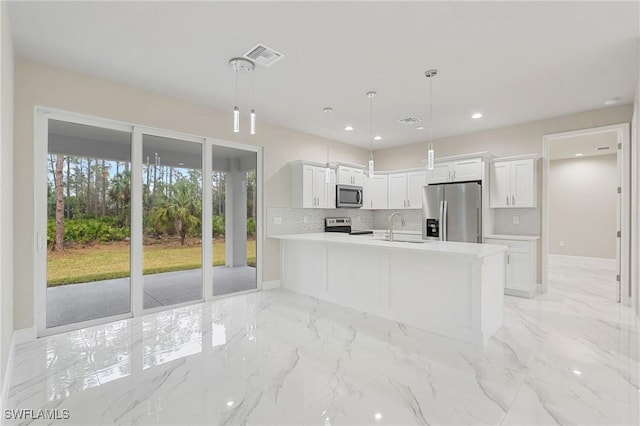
171 221
88 223
234 219
123 212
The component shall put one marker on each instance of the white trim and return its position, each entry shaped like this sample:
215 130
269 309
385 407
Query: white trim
622 131
42 114
207 226
24 335
534 157
270 285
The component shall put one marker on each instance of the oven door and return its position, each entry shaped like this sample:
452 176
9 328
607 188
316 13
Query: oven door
348 196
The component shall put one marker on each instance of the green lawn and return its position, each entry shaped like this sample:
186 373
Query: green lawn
111 260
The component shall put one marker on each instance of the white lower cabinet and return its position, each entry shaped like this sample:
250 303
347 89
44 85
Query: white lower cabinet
520 265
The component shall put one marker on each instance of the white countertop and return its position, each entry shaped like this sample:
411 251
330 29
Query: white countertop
513 237
436 247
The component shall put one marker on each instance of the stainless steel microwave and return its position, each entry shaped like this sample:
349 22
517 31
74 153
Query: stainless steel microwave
348 196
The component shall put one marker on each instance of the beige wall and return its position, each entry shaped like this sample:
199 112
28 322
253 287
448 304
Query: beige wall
582 206
513 140
39 84
6 190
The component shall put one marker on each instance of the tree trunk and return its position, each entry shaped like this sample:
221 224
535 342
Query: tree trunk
59 237
89 199
104 188
68 185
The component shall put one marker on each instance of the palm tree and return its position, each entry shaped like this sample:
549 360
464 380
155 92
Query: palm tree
181 211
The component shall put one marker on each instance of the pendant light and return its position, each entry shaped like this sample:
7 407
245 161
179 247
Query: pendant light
430 154
327 170
371 95
245 65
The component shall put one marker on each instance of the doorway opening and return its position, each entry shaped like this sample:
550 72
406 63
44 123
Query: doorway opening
585 212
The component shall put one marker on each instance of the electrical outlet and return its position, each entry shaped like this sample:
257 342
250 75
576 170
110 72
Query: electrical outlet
516 220
305 219
561 243
277 220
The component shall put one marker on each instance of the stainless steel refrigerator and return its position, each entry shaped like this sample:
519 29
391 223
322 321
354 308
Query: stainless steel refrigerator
452 212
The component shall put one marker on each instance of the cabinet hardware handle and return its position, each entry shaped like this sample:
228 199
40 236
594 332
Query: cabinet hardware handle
408 203
513 200
454 175
507 200
508 259
449 178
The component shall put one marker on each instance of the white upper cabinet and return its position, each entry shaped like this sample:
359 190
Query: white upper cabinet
405 190
375 192
397 191
455 171
512 183
350 176
415 182
309 188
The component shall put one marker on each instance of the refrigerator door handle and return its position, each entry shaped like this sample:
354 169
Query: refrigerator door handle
441 223
445 209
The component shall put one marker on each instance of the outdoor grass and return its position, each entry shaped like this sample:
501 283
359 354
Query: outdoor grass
112 260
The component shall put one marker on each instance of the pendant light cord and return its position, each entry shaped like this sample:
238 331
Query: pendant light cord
236 85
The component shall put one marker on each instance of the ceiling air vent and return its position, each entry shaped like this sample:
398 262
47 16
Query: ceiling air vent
602 148
263 55
409 120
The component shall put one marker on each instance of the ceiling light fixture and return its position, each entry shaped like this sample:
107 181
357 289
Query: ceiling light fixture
611 101
245 65
579 154
327 169
348 128
420 128
371 95
430 154
476 115
377 138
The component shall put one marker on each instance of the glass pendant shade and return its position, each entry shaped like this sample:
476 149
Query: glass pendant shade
430 157
236 119
371 168
253 122
327 175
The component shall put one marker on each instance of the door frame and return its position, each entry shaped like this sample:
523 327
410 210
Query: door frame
623 158
42 115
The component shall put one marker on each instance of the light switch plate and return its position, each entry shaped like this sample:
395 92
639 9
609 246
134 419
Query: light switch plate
277 220
516 220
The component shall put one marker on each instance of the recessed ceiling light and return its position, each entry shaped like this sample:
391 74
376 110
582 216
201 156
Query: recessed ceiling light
476 115
377 416
229 403
420 128
348 128
611 101
377 138
579 154
577 372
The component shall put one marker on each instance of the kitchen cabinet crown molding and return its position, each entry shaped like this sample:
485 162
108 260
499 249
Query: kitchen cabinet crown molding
311 163
485 155
534 157
336 164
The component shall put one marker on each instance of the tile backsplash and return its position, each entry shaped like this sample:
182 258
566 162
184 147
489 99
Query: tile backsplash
296 221
412 218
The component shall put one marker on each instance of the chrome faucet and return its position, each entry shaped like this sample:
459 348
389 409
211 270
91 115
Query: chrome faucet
403 223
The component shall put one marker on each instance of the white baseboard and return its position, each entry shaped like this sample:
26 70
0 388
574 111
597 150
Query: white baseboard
270 285
24 335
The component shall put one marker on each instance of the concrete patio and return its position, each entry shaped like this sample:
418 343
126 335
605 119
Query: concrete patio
73 303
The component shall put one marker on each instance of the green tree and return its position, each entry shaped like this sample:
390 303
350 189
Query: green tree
180 212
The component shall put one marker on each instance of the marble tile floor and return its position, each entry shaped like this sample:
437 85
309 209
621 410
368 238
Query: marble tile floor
276 357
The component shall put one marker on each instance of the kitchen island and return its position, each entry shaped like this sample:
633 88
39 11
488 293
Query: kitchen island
453 289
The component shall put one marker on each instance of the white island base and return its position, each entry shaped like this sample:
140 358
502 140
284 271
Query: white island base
453 289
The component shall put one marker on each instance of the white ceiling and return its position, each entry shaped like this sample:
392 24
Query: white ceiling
513 61
586 145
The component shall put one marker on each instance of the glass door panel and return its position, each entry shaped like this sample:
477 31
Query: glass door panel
234 217
88 223
172 221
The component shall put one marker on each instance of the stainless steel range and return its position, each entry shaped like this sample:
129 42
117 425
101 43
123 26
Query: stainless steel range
342 224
